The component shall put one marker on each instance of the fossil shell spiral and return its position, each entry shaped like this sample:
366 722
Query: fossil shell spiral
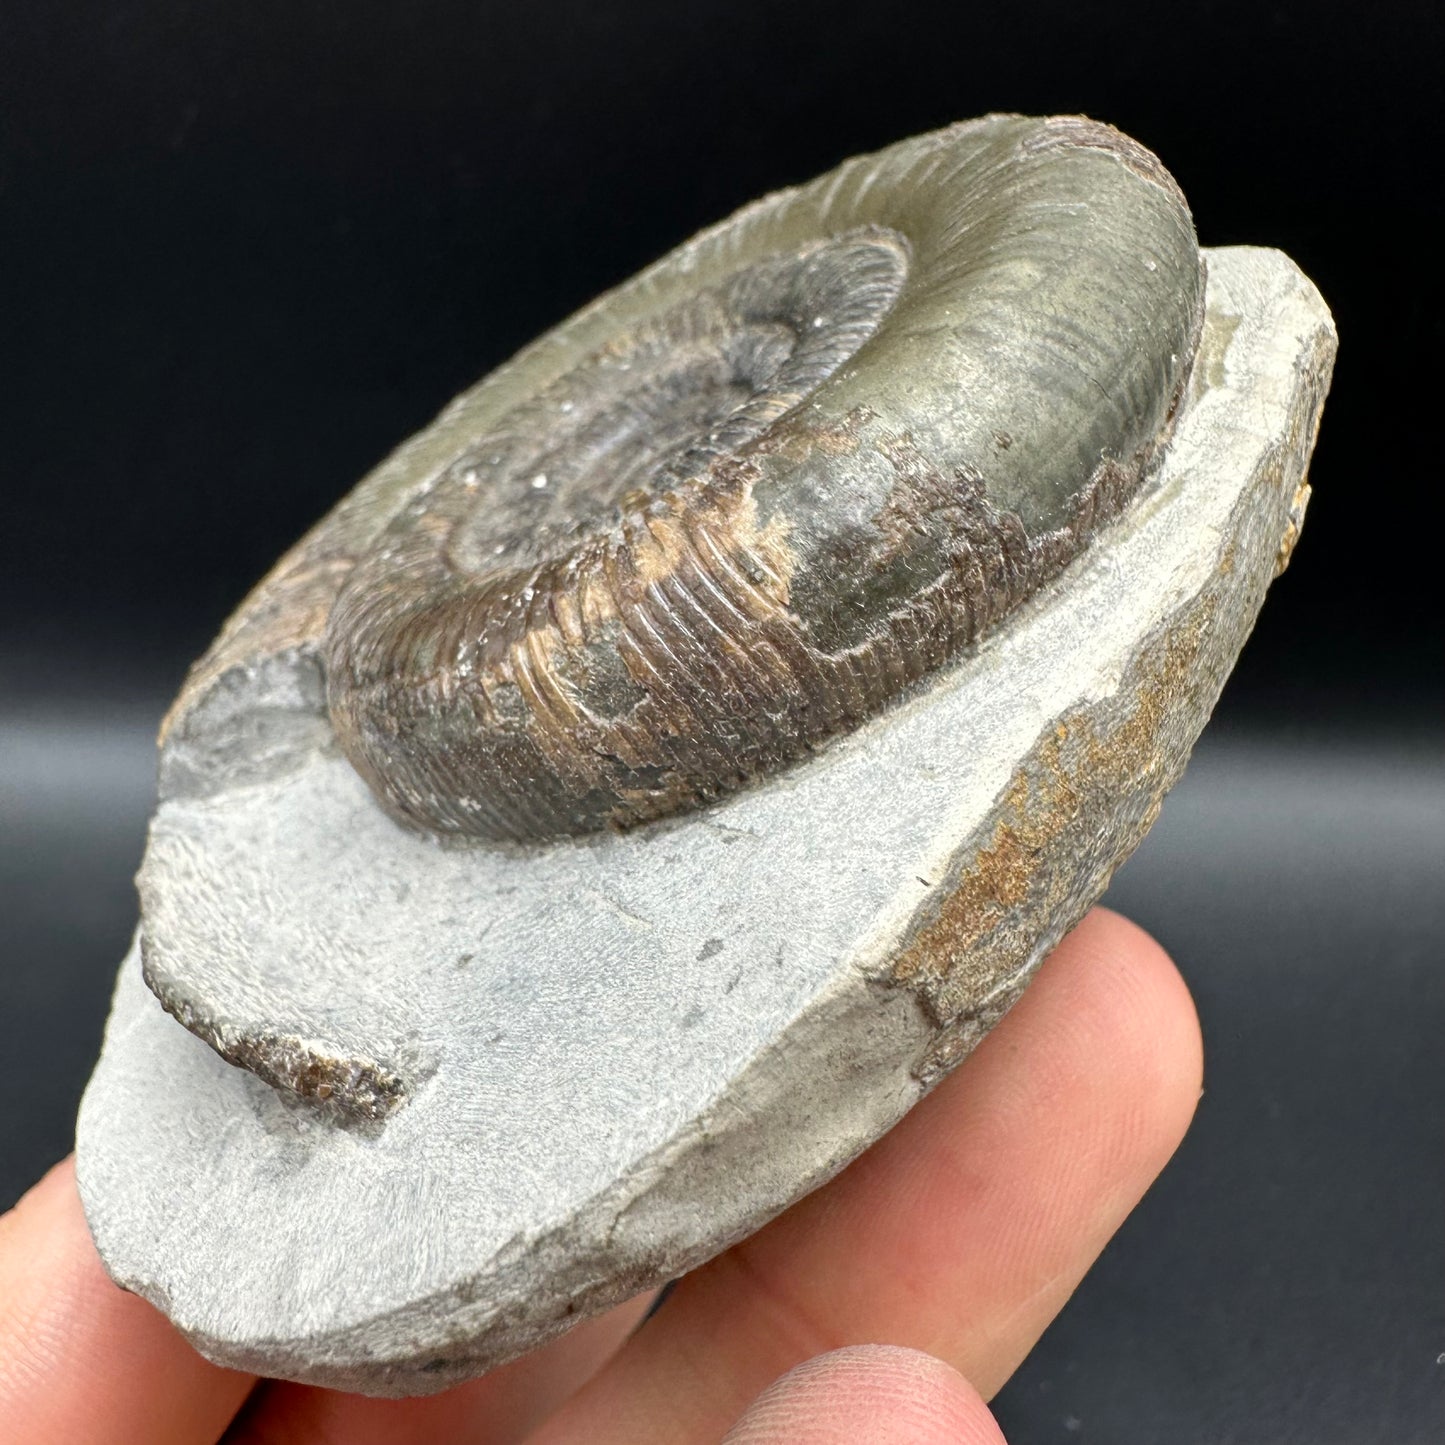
743 501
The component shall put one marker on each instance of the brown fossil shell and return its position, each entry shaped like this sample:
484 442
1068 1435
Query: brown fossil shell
743 501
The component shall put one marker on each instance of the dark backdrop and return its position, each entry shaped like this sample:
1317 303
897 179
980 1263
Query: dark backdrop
248 248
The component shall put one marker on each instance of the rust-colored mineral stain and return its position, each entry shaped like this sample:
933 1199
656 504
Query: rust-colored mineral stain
1088 756
1293 526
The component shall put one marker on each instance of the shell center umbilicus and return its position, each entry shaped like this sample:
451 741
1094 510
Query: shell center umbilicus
657 404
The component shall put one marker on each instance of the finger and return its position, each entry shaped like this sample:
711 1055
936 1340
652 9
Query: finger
500 1407
82 1361
868 1395
963 1231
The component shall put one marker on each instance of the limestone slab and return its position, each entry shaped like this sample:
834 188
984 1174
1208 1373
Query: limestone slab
509 1088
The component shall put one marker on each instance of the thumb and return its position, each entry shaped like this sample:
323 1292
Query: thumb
868 1395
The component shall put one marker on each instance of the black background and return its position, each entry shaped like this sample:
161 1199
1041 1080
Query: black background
247 249
250 248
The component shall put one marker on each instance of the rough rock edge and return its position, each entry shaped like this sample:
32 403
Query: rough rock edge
1090 789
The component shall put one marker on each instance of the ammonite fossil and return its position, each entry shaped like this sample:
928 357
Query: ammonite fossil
825 612
740 503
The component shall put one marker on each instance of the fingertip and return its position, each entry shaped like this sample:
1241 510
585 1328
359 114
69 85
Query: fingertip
58 1180
1134 995
1077 1101
1100 1061
868 1395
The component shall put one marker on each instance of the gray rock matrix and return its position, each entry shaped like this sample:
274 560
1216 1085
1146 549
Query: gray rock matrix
557 1078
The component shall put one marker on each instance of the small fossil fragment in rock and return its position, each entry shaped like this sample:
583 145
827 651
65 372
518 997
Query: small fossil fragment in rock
827 610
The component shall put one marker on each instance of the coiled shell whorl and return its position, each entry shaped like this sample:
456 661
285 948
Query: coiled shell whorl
743 501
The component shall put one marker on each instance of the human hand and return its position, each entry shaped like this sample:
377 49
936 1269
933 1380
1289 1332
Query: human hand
882 1309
